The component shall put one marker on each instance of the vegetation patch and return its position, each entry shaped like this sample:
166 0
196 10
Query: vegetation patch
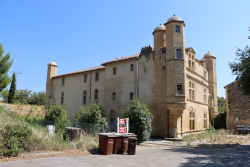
140 119
218 137
18 134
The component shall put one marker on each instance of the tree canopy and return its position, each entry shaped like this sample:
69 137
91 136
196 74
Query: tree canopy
221 104
5 64
241 68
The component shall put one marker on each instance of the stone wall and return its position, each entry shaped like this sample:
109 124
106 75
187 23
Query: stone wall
238 105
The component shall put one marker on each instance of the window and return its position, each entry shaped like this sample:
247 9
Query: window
236 119
191 120
63 81
85 78
191 62
191 91
131 96
84 97
62 98
114 96
205 74
96 96
177 29
205 95
131 67
179 89
112 124
114 71
205 120
97 76
178 53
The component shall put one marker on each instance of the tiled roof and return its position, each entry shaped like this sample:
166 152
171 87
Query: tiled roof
121 59
81 71
99 67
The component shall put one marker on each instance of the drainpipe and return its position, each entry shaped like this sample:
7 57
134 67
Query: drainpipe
168 123
181 125
137 79
90 87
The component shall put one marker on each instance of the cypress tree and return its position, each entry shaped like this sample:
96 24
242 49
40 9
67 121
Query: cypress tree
12 90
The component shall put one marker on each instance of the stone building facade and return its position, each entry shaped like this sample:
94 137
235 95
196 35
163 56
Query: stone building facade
179 90
237 105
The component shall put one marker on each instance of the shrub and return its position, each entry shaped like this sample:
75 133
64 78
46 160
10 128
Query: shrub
140 119
93 114
15 139
58 114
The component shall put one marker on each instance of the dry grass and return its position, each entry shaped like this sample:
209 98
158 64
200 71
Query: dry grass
22 109
216 137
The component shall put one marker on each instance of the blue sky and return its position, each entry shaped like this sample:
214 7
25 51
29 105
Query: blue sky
82 34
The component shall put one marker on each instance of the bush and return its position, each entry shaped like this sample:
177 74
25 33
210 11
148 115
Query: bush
140 119
93 114
58 114
15 139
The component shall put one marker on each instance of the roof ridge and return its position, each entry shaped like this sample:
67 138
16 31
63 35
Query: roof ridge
121 59
81 71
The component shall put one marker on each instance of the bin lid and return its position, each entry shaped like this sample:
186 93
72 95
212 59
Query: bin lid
73 128
128 135
118 134
108 134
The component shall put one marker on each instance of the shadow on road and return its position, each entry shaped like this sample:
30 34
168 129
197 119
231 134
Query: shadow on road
215 156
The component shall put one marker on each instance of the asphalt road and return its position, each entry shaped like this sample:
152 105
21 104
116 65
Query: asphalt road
150 156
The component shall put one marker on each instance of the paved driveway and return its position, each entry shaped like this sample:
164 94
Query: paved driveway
150 156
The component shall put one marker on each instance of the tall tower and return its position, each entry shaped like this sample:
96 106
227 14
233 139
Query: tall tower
52 68
175 72
159 37
212 79
175 59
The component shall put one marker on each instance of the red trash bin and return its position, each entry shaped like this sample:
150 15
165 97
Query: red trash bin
106 142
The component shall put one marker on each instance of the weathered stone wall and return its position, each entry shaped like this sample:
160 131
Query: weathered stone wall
238 105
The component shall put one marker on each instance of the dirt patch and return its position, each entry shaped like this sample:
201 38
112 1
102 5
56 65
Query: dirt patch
36 155
25 109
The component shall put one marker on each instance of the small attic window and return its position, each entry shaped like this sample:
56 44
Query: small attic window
177 29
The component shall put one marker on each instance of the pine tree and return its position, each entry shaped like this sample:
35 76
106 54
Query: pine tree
12 90
5 64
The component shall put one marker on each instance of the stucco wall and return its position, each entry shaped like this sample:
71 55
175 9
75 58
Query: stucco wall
73 90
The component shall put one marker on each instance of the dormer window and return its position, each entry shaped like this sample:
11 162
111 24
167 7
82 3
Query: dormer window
177 29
